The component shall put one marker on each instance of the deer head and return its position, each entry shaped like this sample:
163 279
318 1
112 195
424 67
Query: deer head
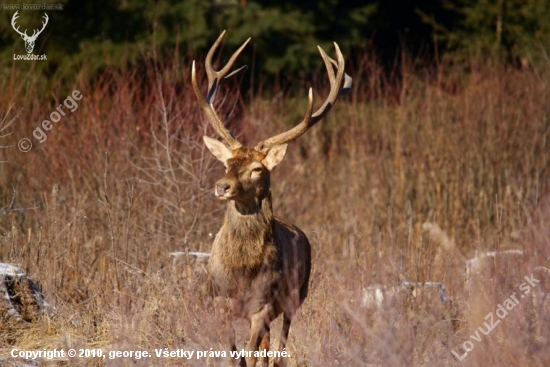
247 177
248 169
29 40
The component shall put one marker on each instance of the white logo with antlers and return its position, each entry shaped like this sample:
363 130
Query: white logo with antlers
29 40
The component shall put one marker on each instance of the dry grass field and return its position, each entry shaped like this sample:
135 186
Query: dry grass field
413 194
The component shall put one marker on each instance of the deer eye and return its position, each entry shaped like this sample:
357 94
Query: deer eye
256 172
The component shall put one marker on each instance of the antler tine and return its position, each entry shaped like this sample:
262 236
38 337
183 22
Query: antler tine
214 80
335 82
36 32
311 119
13 19
216 76
46 18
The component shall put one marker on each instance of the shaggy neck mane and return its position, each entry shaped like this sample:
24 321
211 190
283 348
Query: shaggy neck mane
246 232
245 221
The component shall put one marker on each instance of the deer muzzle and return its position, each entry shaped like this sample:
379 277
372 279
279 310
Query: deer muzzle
225 189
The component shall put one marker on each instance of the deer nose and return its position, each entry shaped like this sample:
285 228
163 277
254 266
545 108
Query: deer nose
222 188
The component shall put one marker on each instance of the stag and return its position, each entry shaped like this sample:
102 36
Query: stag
260 264
29 40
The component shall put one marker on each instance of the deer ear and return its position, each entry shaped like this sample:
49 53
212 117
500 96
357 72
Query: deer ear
217 148
274 156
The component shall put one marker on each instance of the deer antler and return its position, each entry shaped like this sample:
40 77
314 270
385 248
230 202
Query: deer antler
311 119
214 80
36 33
13 19
24 34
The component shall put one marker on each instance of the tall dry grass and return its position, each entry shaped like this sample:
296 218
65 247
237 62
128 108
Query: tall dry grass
125 180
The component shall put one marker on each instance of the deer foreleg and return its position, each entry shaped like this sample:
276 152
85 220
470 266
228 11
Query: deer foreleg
280 362
224 317
264 345
259 326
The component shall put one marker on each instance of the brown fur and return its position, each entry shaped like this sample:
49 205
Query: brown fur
260 263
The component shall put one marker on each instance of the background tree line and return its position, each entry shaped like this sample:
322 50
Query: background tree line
105 33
